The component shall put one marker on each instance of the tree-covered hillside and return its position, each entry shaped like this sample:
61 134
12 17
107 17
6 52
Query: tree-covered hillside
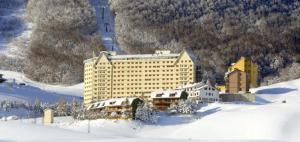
218 31
65 34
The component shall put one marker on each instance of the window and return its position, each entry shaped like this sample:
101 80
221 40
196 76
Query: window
159 95
172 94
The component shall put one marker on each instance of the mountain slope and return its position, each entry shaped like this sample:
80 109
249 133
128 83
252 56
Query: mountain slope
218 32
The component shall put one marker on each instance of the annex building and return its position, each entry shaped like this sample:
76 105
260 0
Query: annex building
117 76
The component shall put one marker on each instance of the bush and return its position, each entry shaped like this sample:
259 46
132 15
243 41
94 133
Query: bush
183 107
146 113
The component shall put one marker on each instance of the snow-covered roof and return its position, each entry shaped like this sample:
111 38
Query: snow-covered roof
111 102
199 84
157 55
196 85
143 56
229 72
166 94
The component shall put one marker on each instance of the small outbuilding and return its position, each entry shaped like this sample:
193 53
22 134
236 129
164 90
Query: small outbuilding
48 116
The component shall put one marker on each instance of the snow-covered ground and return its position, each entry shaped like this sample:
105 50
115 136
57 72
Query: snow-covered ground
266 120
76 90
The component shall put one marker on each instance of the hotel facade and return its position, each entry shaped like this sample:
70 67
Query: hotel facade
117 76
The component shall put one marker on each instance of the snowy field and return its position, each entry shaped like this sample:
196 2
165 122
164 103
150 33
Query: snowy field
267 120
33 87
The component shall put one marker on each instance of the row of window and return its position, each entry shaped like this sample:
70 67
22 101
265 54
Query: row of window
138 79
140 62
209 88
136 71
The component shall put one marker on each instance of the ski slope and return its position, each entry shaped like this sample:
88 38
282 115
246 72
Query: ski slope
268 120
106 24
14 45
11 90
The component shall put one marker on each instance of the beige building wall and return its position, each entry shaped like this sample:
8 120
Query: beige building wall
116 76
48 116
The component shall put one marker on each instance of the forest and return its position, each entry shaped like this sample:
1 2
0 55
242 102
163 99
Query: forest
65 34
219 32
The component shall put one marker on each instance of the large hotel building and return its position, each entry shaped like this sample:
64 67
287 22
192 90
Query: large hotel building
115 76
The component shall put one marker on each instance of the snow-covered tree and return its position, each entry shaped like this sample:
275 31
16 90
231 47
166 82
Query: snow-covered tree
65 34
5 105
146 113
183 107
75 108
103 114
62 107
125 113
173 109
114 114
37 108
81 113
186 107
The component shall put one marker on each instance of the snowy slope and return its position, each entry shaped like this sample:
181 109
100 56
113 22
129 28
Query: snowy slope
267 120
19 37
11 90
289 91
106 24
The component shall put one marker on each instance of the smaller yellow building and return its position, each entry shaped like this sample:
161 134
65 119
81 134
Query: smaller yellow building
221 88
246 65
250 79
48 116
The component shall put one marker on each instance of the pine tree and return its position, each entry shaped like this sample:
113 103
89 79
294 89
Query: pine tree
62 107
173 109
81 113
37 109
74 108
103 113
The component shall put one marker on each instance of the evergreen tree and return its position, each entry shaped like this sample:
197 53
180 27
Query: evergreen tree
103 113
184 95
75 108
37 109
62 107
82 113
